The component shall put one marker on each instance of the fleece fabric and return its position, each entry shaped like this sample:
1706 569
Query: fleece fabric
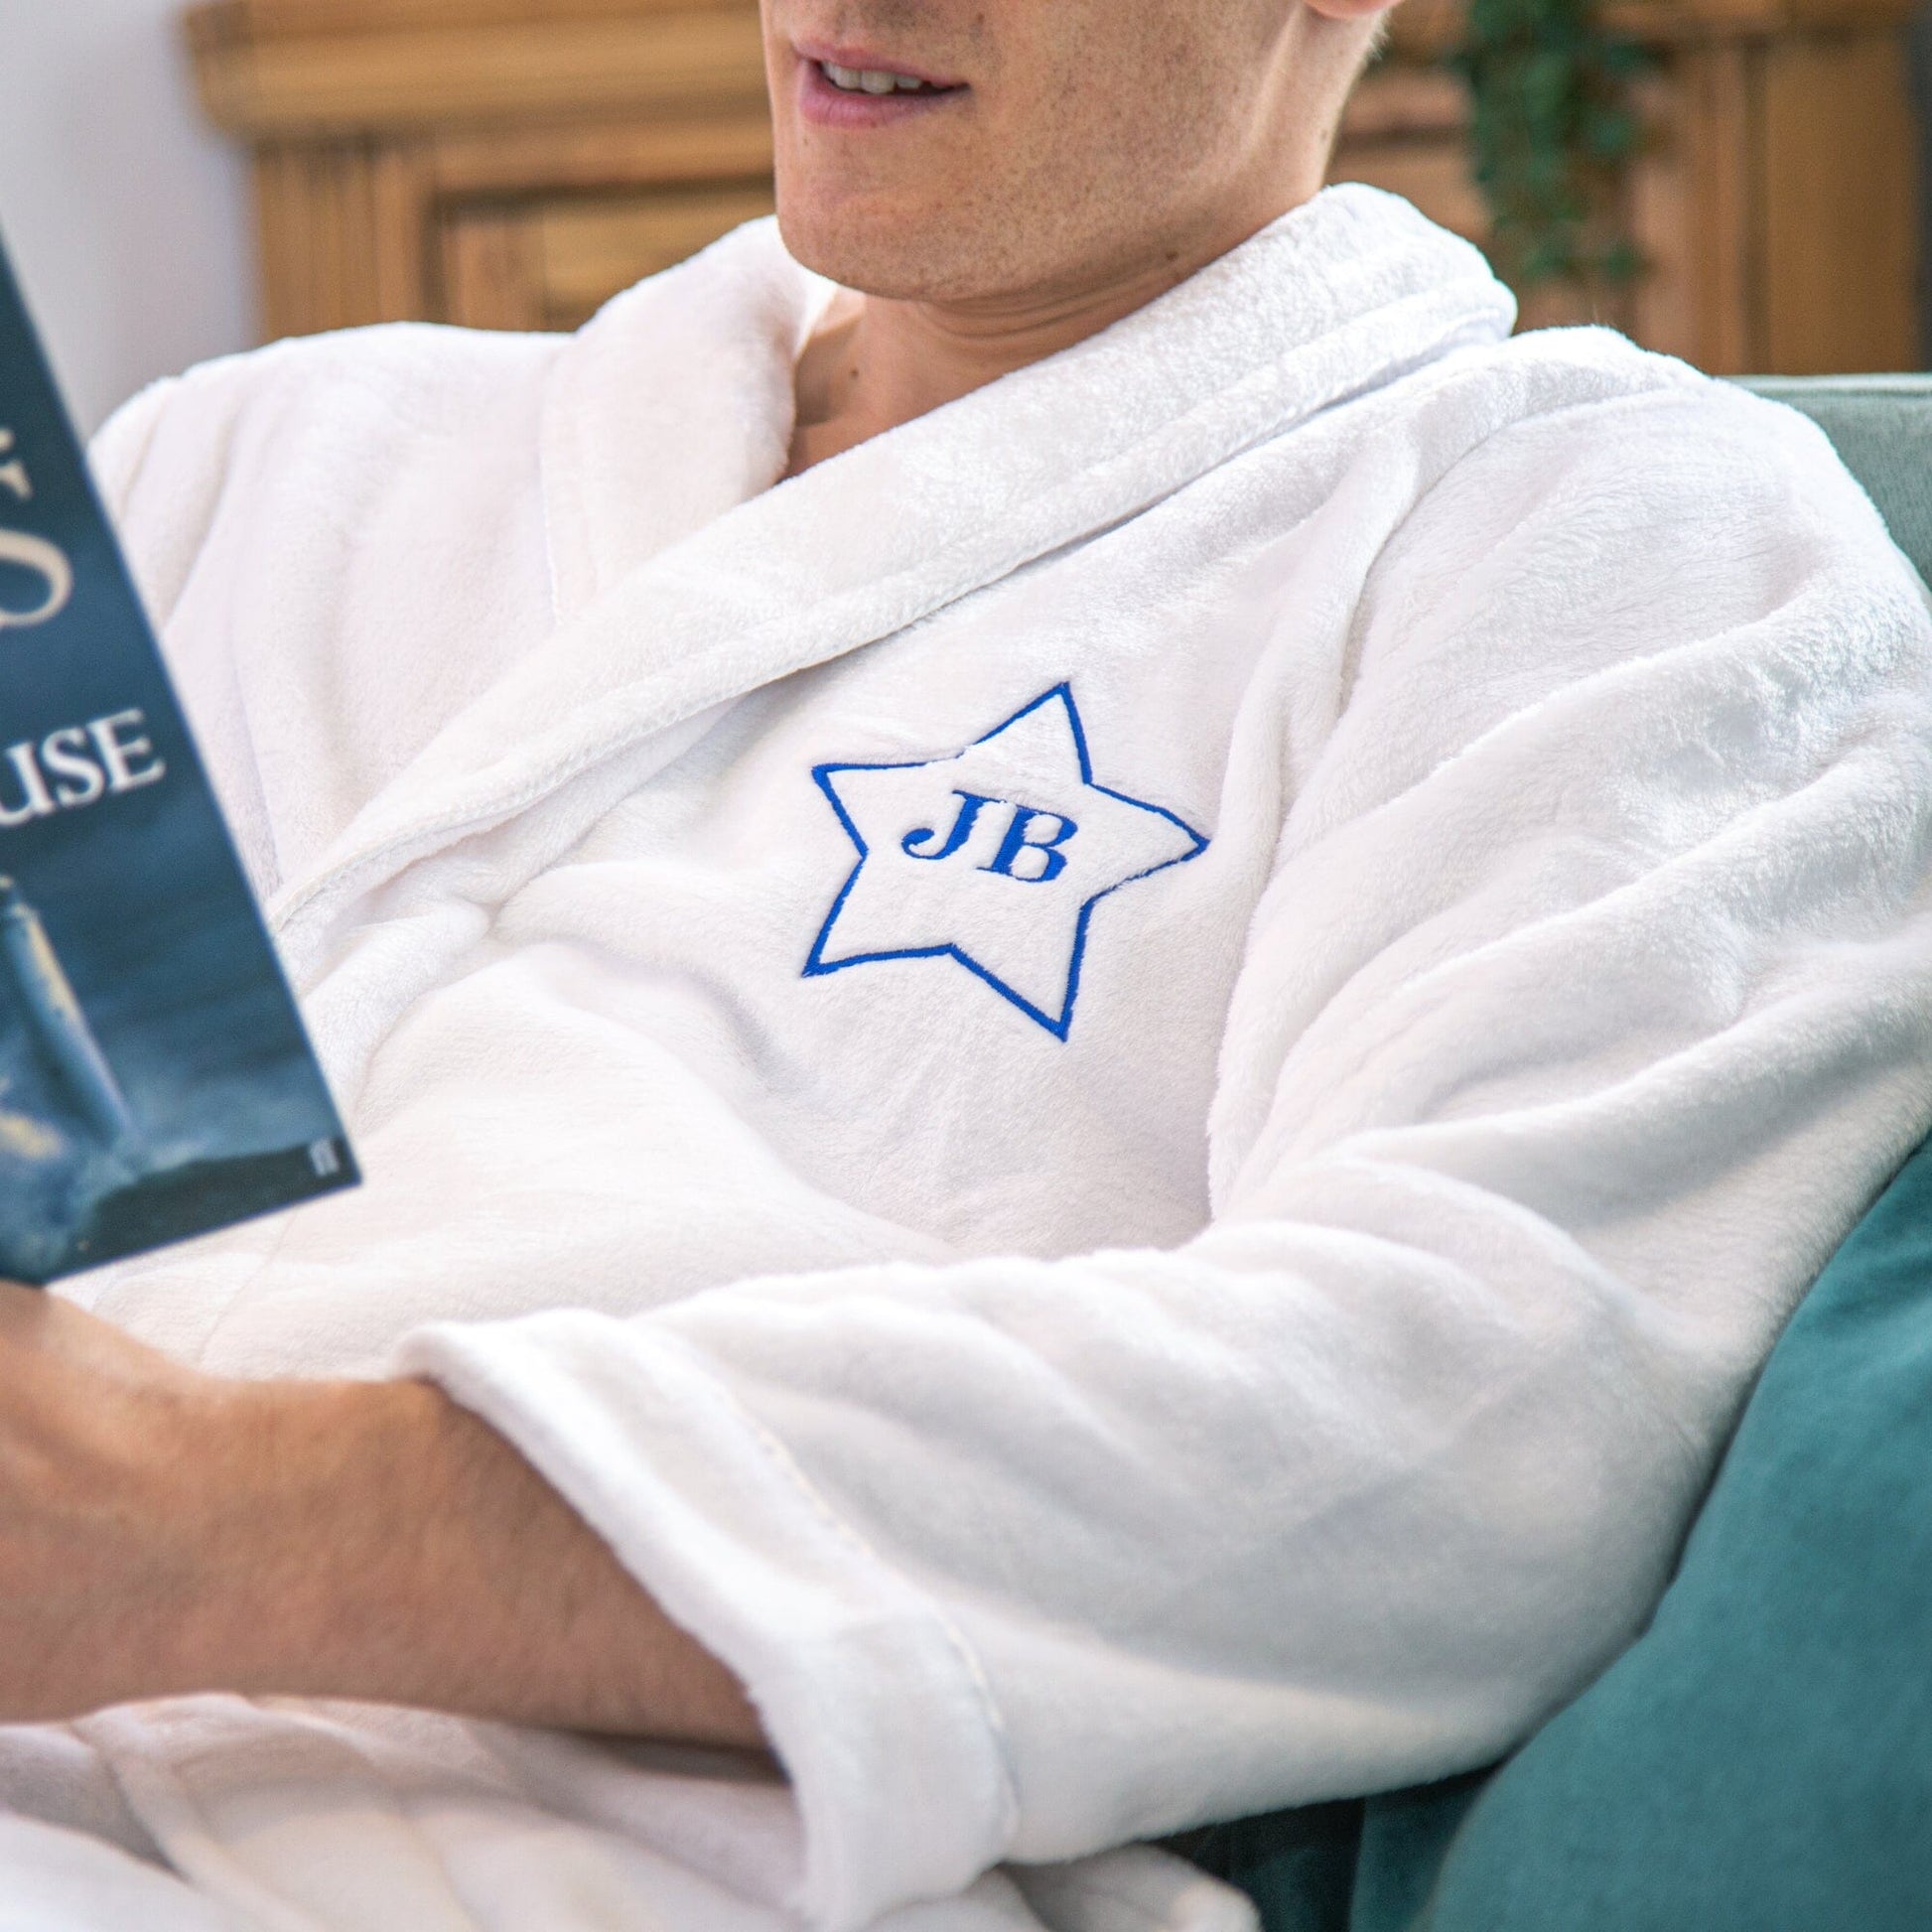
1125 1084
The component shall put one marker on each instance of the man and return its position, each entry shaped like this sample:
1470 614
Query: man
1098 1005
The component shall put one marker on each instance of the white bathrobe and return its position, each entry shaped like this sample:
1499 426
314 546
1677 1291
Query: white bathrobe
1125 1084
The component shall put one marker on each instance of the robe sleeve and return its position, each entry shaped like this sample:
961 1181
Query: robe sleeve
1589 1002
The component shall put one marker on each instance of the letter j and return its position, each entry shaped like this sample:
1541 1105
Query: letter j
962 830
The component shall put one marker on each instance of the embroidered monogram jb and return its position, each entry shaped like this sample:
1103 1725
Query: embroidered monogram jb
994 856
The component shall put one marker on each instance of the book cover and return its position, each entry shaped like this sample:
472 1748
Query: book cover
155 1079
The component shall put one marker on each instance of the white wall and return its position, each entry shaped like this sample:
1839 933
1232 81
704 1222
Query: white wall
126 218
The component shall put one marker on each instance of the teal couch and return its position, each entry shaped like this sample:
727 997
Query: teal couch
1760 1761
1882 427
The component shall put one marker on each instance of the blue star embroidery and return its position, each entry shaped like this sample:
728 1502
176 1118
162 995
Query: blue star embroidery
995 856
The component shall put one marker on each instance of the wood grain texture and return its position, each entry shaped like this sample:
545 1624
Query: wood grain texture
1722 131
590 249
1839 221
560 156
262 85
1422 30
493 269
276 18
399 209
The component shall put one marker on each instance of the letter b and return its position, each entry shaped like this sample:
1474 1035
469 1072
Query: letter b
1017 842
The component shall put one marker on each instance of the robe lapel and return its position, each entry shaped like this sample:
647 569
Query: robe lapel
672 406
1336 297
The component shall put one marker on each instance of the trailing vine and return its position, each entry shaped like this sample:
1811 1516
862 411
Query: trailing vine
1551 125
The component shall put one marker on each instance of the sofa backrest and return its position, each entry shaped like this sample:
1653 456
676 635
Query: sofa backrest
1882 427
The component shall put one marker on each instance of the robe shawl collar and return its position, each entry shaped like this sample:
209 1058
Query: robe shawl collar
685 578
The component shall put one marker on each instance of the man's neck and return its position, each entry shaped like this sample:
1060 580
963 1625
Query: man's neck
876 364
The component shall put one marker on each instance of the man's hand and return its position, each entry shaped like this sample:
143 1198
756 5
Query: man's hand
164 1530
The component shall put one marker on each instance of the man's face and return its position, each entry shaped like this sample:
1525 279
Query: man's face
1051 140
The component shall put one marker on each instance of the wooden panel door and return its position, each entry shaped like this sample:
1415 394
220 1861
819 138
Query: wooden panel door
1839 215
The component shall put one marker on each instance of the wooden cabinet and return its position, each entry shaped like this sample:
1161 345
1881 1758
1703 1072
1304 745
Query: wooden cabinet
512 163
502 163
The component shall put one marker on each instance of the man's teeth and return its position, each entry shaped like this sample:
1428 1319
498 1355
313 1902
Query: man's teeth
871 80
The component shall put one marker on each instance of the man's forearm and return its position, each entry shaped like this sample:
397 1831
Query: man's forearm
163 1532
382 1543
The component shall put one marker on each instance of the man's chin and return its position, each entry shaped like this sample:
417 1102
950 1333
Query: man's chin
895 255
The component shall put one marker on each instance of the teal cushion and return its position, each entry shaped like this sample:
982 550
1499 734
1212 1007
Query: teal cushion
1760 1761
1762 1757
1882 427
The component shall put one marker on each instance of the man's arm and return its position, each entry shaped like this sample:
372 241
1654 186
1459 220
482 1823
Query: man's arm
166 1532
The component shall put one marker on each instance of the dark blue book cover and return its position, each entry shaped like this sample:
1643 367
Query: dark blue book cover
155 1080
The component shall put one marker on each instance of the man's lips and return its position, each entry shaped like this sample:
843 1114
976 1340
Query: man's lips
870 59
853 87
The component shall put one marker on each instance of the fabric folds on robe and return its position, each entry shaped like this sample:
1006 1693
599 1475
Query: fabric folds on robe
1125 1085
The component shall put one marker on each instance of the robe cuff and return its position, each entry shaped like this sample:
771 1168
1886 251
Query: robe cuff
875 1704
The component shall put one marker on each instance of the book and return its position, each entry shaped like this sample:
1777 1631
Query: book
155 1079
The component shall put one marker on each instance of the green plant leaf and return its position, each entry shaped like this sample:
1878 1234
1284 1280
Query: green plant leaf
1551 124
